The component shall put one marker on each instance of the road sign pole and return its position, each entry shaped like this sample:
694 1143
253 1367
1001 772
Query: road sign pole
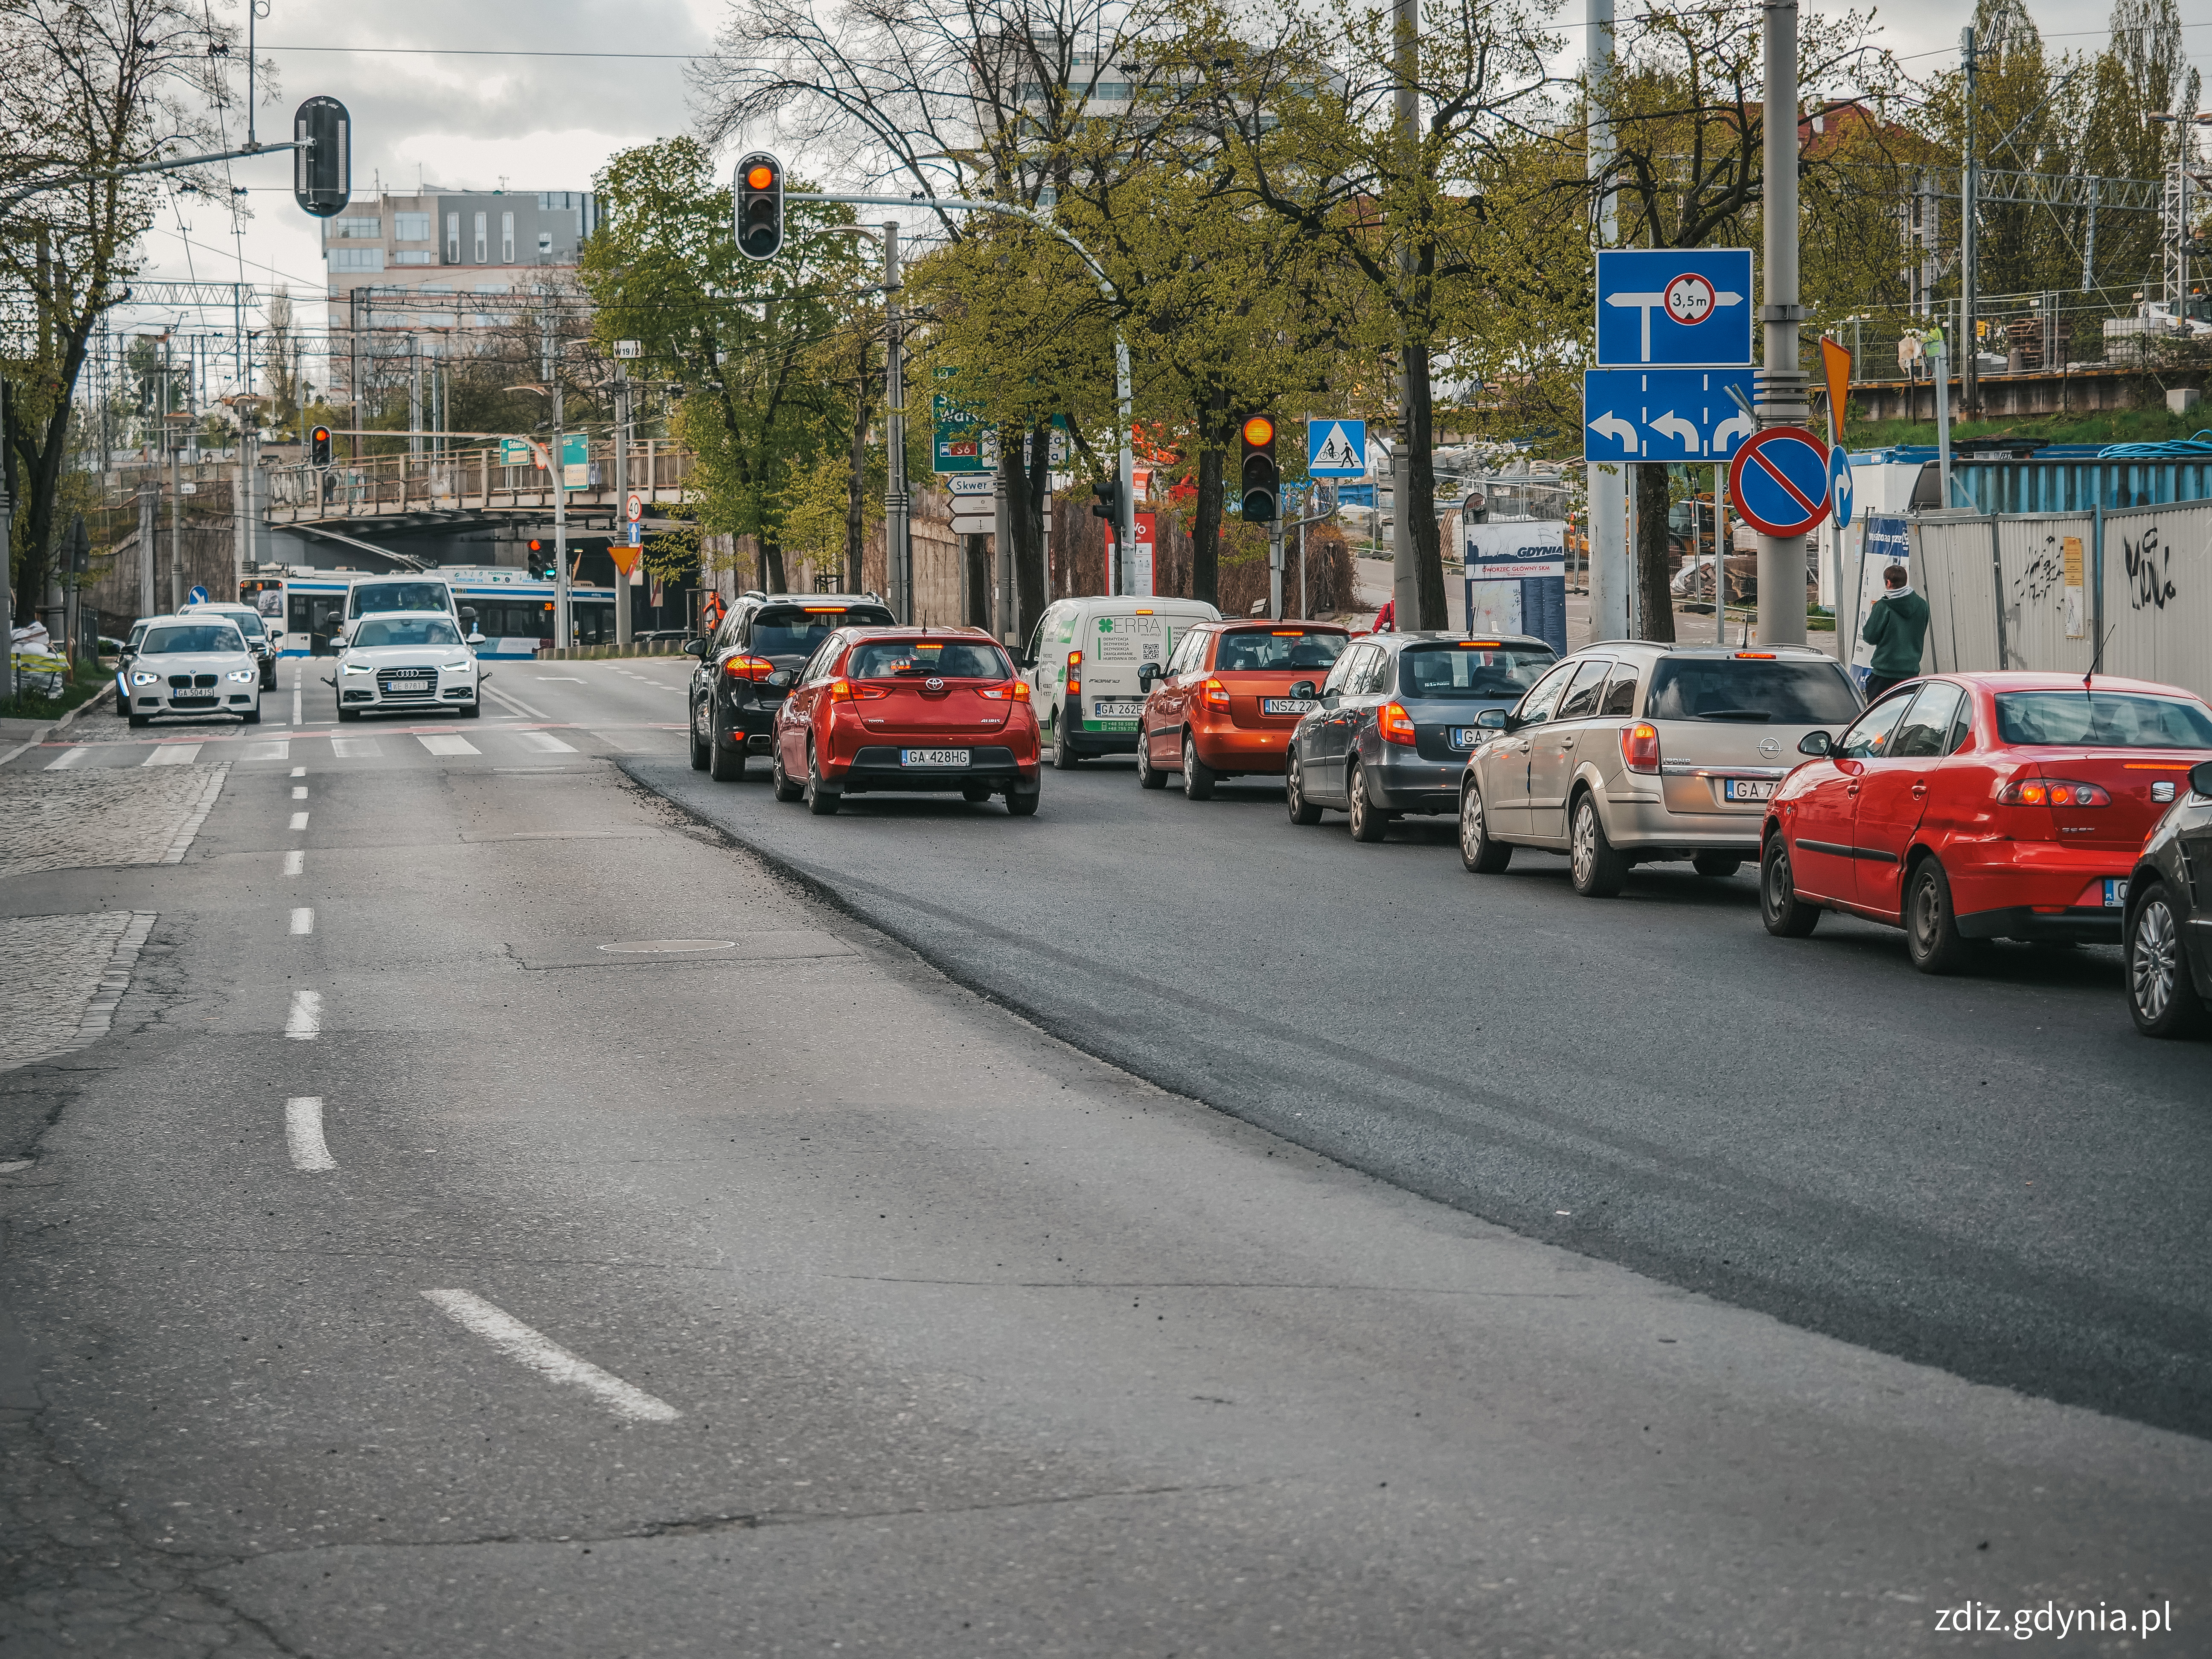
622 634
898 545
1782 400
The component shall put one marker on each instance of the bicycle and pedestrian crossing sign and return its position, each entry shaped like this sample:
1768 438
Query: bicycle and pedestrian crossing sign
1336 448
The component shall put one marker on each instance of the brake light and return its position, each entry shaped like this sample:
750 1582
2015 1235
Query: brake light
846 691
1397 725
1018 691
1216 694
1755 656
748 668
1640 746
2052 792
1074 673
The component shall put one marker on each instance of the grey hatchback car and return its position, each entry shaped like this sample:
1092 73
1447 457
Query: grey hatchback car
1394 721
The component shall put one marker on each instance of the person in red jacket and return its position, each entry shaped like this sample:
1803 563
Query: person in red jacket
1386 619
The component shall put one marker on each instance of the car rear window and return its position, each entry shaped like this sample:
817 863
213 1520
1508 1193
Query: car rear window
192 636
883 660
1751 689
1258 651
1470 671
794 631
2101 720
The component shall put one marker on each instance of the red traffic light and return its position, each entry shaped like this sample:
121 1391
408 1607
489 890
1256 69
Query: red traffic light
536 546
760 177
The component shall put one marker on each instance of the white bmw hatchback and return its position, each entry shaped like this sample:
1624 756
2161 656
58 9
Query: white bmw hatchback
401 661
193 665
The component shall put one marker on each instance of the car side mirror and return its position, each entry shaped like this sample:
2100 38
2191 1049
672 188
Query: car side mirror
783 679
694 648
1147 673
2200 778
1815 743
476 639
1494 719
1303 689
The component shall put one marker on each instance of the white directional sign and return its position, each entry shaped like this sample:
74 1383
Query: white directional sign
1660 305
972 484
1663 414
1336 449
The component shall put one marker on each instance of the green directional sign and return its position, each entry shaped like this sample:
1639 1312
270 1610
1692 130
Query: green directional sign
575 460
965 442
516 451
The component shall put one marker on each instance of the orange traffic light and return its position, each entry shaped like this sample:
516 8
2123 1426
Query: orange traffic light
1258 431
760 178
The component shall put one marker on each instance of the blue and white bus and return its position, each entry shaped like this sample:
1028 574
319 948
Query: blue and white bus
513 609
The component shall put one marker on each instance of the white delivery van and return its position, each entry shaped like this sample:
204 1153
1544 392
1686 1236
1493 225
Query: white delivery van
1082 663
369 595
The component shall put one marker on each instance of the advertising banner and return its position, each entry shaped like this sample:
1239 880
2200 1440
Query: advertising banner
1516 580
1140 568
1888 540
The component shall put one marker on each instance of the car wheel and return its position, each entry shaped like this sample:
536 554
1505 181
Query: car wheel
2160 994
974 793
821 800
1149 776
472 709
1786 915
1022 803
1481 855
725 762
702 748
137 722
786 790
1932 939
254 715
346 714
1294 795
1598 871
1718 866
1362 817
1063 757
1198 778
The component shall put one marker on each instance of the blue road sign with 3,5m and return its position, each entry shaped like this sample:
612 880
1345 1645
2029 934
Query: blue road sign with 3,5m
1674 305
1663 414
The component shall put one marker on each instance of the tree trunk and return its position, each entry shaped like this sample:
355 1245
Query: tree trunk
1030 575
1421 509
1651 572
1205 534
772 565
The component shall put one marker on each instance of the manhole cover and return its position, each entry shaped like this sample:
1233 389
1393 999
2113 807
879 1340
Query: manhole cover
653 947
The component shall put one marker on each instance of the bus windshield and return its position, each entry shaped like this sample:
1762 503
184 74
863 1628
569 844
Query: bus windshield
370 597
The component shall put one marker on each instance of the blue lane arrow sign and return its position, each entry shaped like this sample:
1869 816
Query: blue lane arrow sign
1668 306
1663 414
199 596
1839 485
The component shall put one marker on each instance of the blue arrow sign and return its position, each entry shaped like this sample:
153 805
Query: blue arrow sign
1336 449
1779 481
1663 414
1839 485
1681 307
199 596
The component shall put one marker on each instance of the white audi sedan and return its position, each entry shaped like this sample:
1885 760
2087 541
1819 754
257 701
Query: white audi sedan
403 661
193 665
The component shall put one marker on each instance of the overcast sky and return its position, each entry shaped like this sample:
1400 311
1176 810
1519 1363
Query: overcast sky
459 107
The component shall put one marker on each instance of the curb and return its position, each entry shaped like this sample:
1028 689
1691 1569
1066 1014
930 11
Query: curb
605 653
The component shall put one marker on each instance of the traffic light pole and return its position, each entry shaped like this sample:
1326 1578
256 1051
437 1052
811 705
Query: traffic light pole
1125 527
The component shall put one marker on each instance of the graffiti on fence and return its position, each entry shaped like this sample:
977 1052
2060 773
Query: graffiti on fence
2150 567
2045 575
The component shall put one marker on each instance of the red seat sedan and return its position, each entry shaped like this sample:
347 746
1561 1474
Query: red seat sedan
1228 699
1971 806
907 710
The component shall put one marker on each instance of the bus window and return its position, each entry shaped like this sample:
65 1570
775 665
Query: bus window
318 616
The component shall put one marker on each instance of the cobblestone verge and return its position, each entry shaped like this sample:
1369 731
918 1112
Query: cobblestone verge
66 974
75 820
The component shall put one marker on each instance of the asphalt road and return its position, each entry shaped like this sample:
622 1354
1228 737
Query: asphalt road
406 1272
1992 1174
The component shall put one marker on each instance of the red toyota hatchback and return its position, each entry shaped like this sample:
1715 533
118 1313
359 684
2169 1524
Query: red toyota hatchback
906 710
1974 806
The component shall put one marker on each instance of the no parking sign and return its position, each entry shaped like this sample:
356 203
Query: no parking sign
1779 481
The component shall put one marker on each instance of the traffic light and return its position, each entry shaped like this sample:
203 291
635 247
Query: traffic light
319 446
759 197
541 561
1108 504
322 172
1263 481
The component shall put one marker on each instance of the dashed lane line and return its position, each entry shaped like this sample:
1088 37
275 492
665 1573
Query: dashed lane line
303 1135
295 863
303 920
299 821
305 1023
548 1358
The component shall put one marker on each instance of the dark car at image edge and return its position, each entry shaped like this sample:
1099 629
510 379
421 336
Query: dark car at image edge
731 708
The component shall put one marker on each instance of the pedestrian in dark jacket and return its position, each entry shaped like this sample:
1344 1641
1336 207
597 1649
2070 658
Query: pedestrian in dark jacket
1896 628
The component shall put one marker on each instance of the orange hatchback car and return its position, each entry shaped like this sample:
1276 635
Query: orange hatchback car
1227 700
908 711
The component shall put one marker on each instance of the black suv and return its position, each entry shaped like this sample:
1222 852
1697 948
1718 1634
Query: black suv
2169 915
733 706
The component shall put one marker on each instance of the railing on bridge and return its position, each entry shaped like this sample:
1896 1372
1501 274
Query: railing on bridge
466 480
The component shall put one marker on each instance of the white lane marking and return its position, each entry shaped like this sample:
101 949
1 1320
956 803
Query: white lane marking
303 920
558 679
543 742
514 703
303 1133
299 820
67 758
548 1358
299 792
172 754
299 771
355 748
295 863
268 748
305 1022
448 745
295 702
